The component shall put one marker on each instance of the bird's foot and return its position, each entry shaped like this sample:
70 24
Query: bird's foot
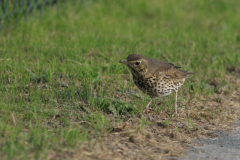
146 110
174 114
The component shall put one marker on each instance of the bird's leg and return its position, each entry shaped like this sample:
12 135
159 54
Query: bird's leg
146 109
175 108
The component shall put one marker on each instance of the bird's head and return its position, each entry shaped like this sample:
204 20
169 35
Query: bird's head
137 63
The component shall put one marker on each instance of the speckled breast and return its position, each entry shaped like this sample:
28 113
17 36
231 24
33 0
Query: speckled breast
158 86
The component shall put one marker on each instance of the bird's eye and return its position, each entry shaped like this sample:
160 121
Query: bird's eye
137 63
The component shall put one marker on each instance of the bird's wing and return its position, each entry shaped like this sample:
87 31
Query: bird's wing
175 73
168 70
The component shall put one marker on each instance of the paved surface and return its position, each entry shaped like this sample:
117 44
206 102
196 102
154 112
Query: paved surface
226 147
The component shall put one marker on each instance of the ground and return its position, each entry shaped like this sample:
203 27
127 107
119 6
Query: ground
225 147
64 94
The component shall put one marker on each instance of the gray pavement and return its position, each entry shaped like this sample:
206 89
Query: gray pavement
226 147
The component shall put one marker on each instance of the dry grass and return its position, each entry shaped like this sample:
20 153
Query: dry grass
160 136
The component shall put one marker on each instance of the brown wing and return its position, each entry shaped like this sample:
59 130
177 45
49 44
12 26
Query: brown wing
168 69
177 73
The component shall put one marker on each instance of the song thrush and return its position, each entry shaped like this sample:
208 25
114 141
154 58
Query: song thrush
156 78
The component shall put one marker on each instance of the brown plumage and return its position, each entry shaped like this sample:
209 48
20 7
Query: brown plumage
156 78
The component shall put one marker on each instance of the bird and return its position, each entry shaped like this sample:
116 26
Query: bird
156 78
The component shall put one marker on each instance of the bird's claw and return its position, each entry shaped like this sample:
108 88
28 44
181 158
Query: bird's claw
146 110
174 114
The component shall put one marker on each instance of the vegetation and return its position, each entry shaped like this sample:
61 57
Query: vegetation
65 96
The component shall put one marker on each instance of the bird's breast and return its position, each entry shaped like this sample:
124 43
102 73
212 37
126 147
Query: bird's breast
158 86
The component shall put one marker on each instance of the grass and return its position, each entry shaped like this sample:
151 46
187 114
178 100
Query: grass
65 96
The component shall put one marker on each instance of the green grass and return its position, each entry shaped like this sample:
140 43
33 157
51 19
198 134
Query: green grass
60 76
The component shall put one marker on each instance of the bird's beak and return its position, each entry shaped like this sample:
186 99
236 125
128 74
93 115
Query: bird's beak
123 61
